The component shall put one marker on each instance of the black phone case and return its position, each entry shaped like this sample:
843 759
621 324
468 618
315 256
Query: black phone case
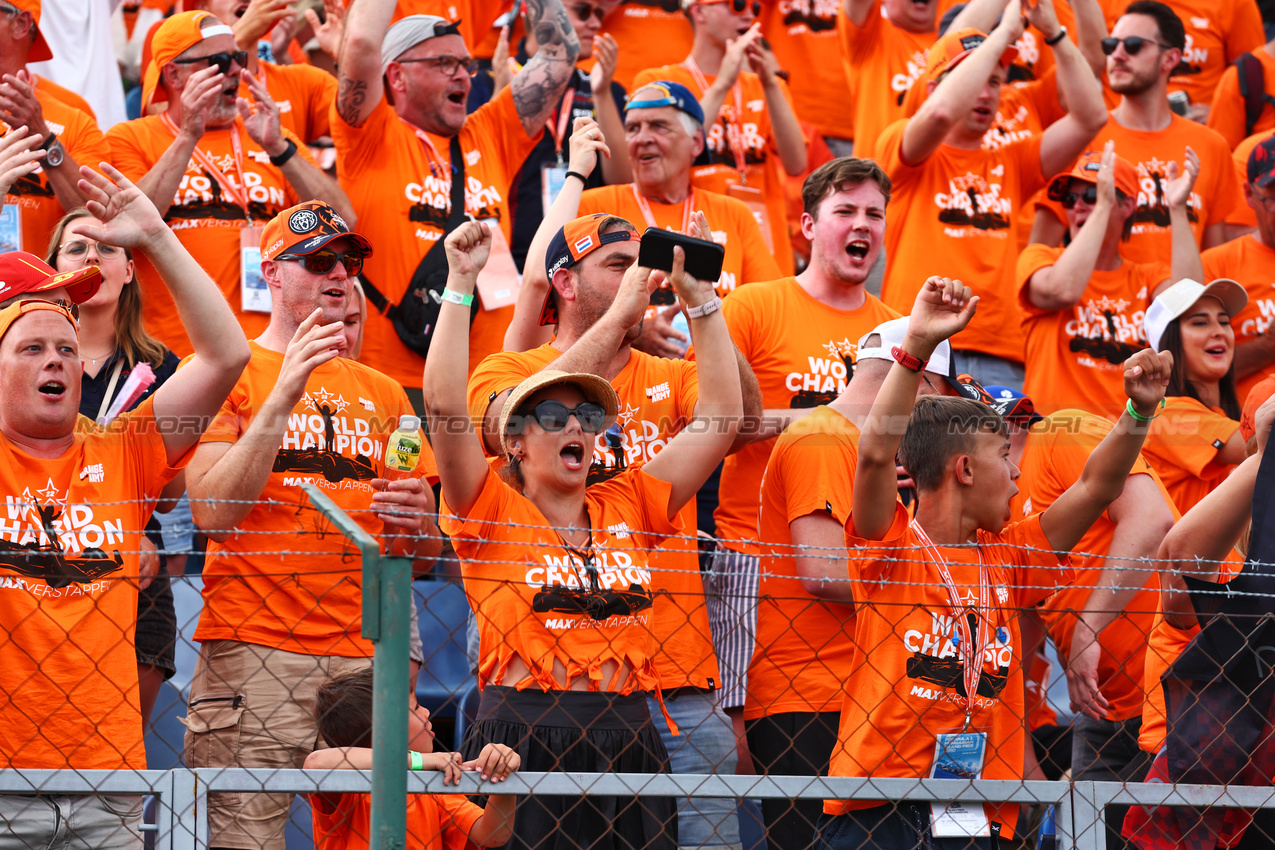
703 258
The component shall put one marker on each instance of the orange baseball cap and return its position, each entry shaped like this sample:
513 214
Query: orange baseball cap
39 48
173 38
1086 169
26 274
951 49
13 312
573 241
306 228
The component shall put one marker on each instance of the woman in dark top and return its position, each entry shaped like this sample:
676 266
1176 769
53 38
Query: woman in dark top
112 343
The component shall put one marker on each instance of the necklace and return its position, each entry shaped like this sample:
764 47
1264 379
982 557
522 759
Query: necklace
94 360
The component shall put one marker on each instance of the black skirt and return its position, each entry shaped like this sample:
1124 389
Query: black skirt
579 732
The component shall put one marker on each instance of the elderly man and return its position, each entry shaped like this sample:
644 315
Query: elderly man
282 597
664 126
78 501
402 135
61 122
216 166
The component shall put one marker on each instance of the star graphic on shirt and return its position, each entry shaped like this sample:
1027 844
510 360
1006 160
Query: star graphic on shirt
1115 305
49 495
628 414
970 600
341 404
322 397
833 348
848 347
1152 166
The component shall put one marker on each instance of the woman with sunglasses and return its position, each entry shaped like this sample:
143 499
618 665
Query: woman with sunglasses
1195 441
558 576
112 343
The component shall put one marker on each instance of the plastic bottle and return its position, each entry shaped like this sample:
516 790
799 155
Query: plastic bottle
403 451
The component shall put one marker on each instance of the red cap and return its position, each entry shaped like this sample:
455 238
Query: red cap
39 48
1086 169
26 274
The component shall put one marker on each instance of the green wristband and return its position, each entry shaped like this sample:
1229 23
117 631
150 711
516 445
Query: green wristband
1138 416
451 296
416 761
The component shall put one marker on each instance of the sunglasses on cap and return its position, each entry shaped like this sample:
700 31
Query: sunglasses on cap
223 61
68 308
1132 45
553 415
736 6
324 260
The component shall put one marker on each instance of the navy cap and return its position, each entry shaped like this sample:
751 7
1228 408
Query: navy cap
1013 405
666 93
1261 163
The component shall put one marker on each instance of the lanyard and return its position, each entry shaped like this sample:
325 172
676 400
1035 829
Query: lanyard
650 219
435 160
564 116
238 194
734 139
971 655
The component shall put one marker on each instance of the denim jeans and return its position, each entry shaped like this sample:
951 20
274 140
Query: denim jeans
706 745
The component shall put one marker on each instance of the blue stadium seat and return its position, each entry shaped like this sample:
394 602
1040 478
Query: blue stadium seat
443 612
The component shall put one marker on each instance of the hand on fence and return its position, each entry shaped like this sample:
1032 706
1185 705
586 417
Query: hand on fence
495 762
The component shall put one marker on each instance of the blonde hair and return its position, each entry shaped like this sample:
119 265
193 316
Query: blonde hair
130 334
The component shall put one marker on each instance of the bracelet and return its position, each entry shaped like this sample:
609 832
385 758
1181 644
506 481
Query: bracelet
49 141
907 361
1128 407
705 309
1062 33
287 154
415 760
583 179
451 296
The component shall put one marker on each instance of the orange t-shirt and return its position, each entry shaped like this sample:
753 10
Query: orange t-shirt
1215 195
537 600
1182 445
805 644
45 86
658 397
1054 459
1227 115
744 122
1251 263
32 197
734 228
903 688
205 218
402 196
304 95
650 33
1075 358
69 696
803 353
803 35
956 215
881 61
1217 32
285 579
434 821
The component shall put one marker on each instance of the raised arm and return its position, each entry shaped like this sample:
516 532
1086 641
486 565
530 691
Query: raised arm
537 89
733 60
462 469
1103 479
1067 138
1091 29
943 308
789 142
20 107
955 95
1185 261
359 84
201 93
130 220
225 479
857 11
691 456
616 168
594 351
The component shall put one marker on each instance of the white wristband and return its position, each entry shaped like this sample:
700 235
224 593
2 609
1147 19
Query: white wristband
705 309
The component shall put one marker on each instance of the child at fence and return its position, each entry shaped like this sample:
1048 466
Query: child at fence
937 596
343 712
560 577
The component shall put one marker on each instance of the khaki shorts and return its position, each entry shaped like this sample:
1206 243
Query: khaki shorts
252 706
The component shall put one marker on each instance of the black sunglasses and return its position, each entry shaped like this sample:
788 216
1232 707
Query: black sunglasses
324 260
1132 45
1089 195
553 415
583 11
223 61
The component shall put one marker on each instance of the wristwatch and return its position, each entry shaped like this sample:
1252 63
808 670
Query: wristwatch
55 154
1062 33
907 361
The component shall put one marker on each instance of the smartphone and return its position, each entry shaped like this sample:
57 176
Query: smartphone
703 258
1179 101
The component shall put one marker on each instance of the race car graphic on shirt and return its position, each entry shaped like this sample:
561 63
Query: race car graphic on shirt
825 377
579 584
935 658
314 443
817 15
973 202
1102 330
1153 208
35 536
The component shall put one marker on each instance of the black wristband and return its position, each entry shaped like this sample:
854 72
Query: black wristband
287 154
583 179
1062 33
49 141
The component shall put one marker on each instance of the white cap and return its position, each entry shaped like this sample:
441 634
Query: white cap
892 333
1177 299
408 422
411 31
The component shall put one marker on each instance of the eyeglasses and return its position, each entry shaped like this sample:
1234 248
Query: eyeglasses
223 61
78 250
583 11
1089 195
736 6
1132 45
1268 201
448 65
553 415
323 261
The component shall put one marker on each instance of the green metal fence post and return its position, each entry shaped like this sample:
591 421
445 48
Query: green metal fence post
387 585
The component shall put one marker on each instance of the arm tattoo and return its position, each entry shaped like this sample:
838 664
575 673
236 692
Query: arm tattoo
537 89
350 96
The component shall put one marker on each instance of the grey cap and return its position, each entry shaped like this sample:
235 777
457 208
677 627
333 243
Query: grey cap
411 31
